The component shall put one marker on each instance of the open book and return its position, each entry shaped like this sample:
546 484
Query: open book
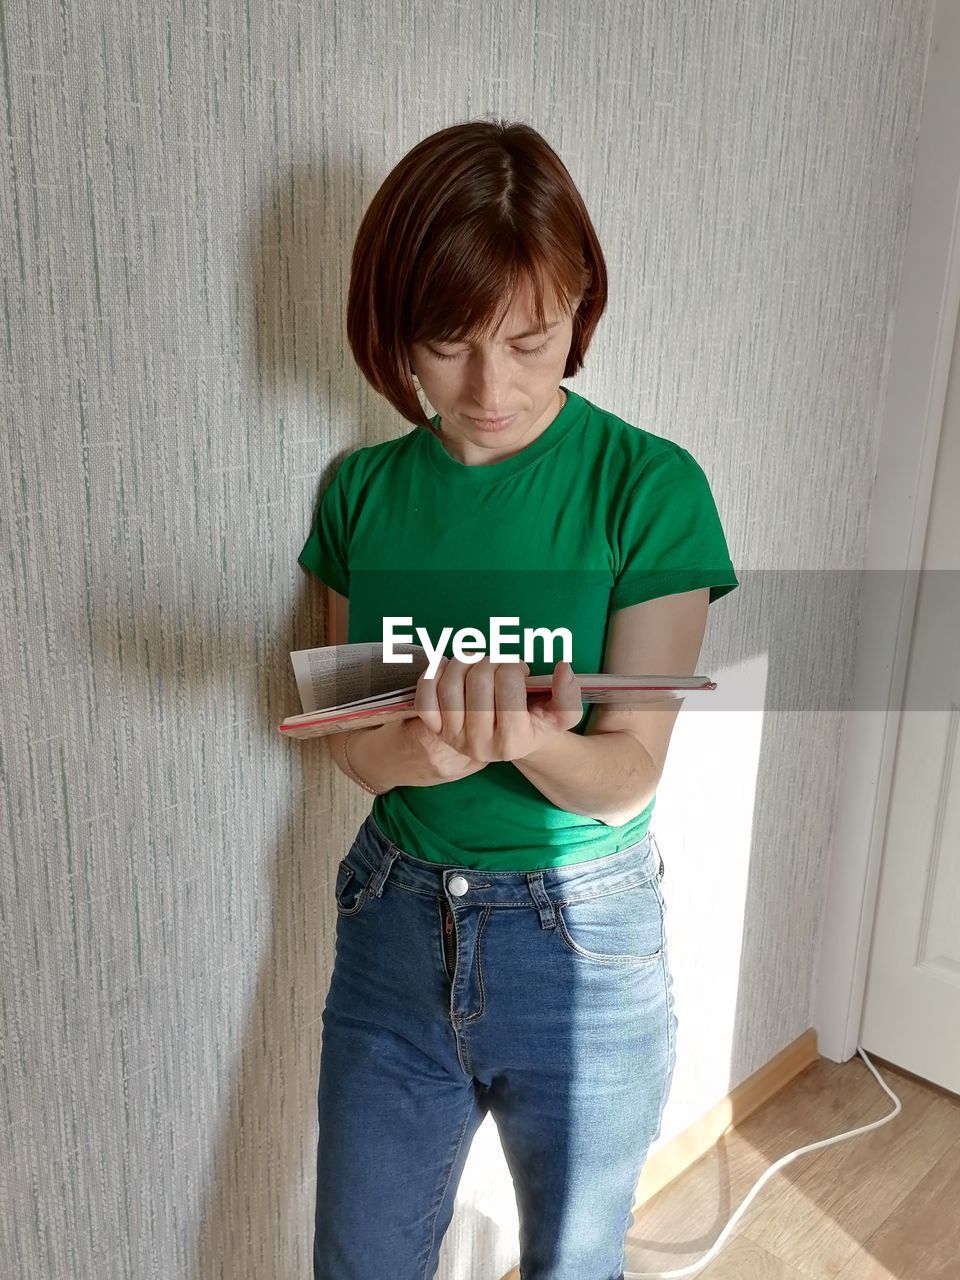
350 686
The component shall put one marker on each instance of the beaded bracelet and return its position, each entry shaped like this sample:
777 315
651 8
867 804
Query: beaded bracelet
353 773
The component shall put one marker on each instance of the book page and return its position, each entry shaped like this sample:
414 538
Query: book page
341 674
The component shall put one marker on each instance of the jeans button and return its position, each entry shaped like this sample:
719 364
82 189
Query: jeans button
458 886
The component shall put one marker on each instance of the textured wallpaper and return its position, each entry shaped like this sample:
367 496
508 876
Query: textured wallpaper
181 184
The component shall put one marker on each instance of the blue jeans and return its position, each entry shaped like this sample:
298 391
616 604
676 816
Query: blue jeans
543 997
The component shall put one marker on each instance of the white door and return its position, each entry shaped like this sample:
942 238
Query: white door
911 1014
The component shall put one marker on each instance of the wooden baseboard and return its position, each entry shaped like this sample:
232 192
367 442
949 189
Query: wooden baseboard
676 1156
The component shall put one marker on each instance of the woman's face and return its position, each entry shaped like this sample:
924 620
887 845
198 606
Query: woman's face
514 374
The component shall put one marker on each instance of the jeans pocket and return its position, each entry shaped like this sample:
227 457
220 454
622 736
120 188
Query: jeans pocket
624 927
350 890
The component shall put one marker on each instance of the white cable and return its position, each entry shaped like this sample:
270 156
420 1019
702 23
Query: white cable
694 1267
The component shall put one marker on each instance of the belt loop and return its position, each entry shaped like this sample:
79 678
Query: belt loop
378 879
547 912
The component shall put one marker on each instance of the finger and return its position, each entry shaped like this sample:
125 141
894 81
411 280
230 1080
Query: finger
479 709
564 689
450 697
510 695
425 701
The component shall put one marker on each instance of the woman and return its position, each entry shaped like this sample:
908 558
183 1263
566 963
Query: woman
500 934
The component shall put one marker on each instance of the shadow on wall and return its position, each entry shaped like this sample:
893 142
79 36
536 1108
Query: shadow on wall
259 1047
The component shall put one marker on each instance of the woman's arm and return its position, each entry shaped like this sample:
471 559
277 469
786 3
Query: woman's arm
402 753
611 771
609 776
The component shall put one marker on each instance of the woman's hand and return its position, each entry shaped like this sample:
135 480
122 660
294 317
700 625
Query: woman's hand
479 709
431 758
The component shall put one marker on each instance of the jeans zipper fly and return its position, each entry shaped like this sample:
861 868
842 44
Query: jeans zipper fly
448 937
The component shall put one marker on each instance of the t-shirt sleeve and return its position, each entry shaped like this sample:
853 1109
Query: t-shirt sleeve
325 551
670 537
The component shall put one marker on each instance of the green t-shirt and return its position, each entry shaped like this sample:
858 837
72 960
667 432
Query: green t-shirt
592 515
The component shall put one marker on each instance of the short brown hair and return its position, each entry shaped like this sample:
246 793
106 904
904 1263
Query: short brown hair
468 216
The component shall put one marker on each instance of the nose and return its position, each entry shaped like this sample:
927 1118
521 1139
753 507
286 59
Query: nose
489 386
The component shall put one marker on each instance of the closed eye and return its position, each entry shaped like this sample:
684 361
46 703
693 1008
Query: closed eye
535 351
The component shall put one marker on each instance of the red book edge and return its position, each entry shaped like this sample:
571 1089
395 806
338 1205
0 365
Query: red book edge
409 702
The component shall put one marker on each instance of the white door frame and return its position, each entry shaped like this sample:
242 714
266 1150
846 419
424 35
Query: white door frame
919 354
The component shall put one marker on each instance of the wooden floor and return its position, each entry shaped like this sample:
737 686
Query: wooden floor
884 1205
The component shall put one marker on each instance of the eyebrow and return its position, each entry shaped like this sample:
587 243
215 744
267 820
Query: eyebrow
531 333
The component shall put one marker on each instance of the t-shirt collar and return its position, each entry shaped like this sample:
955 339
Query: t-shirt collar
486 473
